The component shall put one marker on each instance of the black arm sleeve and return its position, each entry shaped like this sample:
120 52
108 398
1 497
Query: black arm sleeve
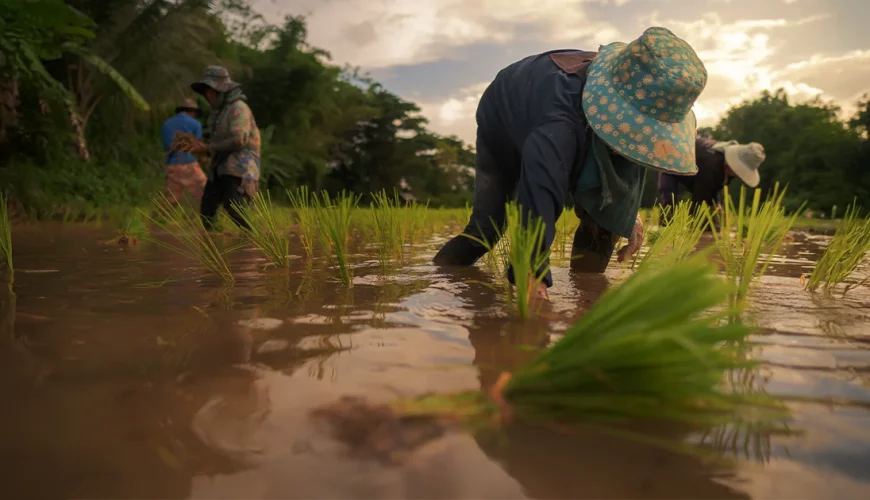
548 155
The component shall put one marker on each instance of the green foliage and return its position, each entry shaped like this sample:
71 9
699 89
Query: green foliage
389 228
822 160
323 126
845 252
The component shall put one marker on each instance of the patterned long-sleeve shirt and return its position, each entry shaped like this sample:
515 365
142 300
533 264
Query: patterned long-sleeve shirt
235 144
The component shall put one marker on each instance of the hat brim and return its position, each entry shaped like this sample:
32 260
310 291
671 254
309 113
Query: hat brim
200 87
749 176
665 146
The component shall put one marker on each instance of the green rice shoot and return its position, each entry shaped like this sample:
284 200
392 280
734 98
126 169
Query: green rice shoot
184 225
6 238
650 348
522 250
304 203
389 227
678 239
567 224
845 252
268 228
749 237
333 220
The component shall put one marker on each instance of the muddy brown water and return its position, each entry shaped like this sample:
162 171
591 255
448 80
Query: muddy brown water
117 383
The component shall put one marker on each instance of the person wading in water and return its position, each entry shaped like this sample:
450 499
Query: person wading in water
718 163
581 128
183 173
234 147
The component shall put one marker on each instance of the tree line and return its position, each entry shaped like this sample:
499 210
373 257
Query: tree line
85 85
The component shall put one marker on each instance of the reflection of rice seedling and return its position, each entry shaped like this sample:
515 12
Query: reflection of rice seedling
333 219
268 229
844 253
389 227
522 250
306 217
766 229
184 225
6 237
646 350
678 238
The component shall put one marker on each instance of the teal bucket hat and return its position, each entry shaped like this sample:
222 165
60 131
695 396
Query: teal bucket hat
215 77
638 99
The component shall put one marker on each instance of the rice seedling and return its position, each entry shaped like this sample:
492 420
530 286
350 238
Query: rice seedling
333 219
389 227
649 349
184 225
565 228
845 252
522 254
746 253
269 229
6 238
418 223
678 239
303 204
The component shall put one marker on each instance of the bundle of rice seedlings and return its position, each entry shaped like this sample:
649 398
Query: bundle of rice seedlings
269 228
845 252
678 239
649 349
303 204
522 250
184 225
746 253
6 238
333 219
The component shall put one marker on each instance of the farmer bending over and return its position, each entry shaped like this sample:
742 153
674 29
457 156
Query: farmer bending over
718 163
578 127
234 147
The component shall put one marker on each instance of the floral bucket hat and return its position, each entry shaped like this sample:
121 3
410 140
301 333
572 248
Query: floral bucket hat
215 77
638 99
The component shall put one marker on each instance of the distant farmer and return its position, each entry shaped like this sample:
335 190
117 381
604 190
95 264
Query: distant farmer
234 147
718 163
183 173
575 127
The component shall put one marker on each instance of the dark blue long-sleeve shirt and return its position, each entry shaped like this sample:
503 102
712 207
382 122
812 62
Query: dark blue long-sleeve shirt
531 118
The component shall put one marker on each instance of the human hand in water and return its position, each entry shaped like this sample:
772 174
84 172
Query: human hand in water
537 289
634 243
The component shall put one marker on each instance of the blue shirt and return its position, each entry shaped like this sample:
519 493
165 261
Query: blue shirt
184 123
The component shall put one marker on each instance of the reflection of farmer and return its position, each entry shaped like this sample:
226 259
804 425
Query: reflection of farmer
581 125
234 146
182 170
718 163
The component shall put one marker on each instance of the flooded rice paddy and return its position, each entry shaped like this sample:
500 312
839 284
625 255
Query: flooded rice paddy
130 373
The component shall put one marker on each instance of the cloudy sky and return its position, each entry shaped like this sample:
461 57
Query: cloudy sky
442 53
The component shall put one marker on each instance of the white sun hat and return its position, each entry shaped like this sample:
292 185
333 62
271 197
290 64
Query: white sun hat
744 160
